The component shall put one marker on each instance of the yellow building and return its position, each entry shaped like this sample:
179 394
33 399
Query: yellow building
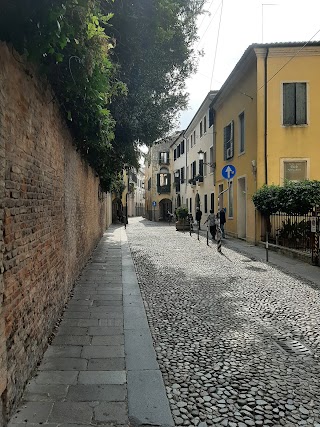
267 126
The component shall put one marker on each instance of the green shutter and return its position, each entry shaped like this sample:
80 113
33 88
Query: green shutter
289 104
225 143
301 103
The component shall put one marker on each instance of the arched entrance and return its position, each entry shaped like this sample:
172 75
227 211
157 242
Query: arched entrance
165 205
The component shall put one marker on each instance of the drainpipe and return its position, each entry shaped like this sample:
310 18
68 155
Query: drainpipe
266 117
266 138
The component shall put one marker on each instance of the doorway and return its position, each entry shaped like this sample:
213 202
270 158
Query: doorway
242 208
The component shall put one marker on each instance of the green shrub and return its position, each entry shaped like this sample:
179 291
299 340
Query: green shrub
182 212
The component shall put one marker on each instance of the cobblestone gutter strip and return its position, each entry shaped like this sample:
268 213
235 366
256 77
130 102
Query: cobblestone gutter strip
215 321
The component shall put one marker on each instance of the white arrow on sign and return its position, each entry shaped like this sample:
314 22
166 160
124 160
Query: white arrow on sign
229 171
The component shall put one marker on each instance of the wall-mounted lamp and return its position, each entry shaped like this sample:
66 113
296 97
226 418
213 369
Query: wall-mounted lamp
201 157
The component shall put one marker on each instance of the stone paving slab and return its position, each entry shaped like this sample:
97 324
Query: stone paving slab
63 351
147 399
98 351
70 412
139 349
107 364
63 364
102 377
44 392
33 412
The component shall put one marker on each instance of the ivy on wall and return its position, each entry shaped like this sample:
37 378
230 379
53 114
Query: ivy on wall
67 39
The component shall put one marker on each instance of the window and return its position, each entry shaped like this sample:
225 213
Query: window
163 181
211 158
190 204
295 170
187 174
182 175
177 181
205 124
205 203
164 158
178 151
191 141
194 168
228 141
230 200
294 104
205 164
241 133
149 184
175 154
200 129
212 201
194 137
211 117
187 144
182 147
201 167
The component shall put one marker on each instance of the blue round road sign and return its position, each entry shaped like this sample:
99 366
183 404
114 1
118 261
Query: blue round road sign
228 172
154 203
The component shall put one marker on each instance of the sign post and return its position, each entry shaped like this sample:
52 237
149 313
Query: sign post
228 172
154 204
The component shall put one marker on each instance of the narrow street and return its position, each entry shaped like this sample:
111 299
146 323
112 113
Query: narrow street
237 340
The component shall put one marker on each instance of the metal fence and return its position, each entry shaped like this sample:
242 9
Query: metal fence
293 231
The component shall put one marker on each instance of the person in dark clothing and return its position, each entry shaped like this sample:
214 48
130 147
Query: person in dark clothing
198 217
222 216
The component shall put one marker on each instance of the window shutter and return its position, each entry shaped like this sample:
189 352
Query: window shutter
194 171
169 179
289 104
225 143
158 180
231 137
301 103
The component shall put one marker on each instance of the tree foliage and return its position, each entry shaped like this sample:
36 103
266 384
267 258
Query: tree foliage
117 68
292 198
267 200
154 48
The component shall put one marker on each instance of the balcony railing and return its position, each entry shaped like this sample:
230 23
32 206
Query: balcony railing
162 189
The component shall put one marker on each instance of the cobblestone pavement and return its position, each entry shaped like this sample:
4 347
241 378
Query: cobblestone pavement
237 341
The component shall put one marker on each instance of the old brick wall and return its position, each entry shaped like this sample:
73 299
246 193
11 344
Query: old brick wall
3 353
52 219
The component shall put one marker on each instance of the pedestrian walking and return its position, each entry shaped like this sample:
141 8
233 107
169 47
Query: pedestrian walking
212 220
198 217
222 217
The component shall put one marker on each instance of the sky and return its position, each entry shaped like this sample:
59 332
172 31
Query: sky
241 25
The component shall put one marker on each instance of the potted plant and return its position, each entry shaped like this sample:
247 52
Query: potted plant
182 214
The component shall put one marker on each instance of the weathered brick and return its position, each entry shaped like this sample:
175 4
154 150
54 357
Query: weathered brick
51 221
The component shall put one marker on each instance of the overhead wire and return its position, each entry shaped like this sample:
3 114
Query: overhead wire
201 38
217 42
203 19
